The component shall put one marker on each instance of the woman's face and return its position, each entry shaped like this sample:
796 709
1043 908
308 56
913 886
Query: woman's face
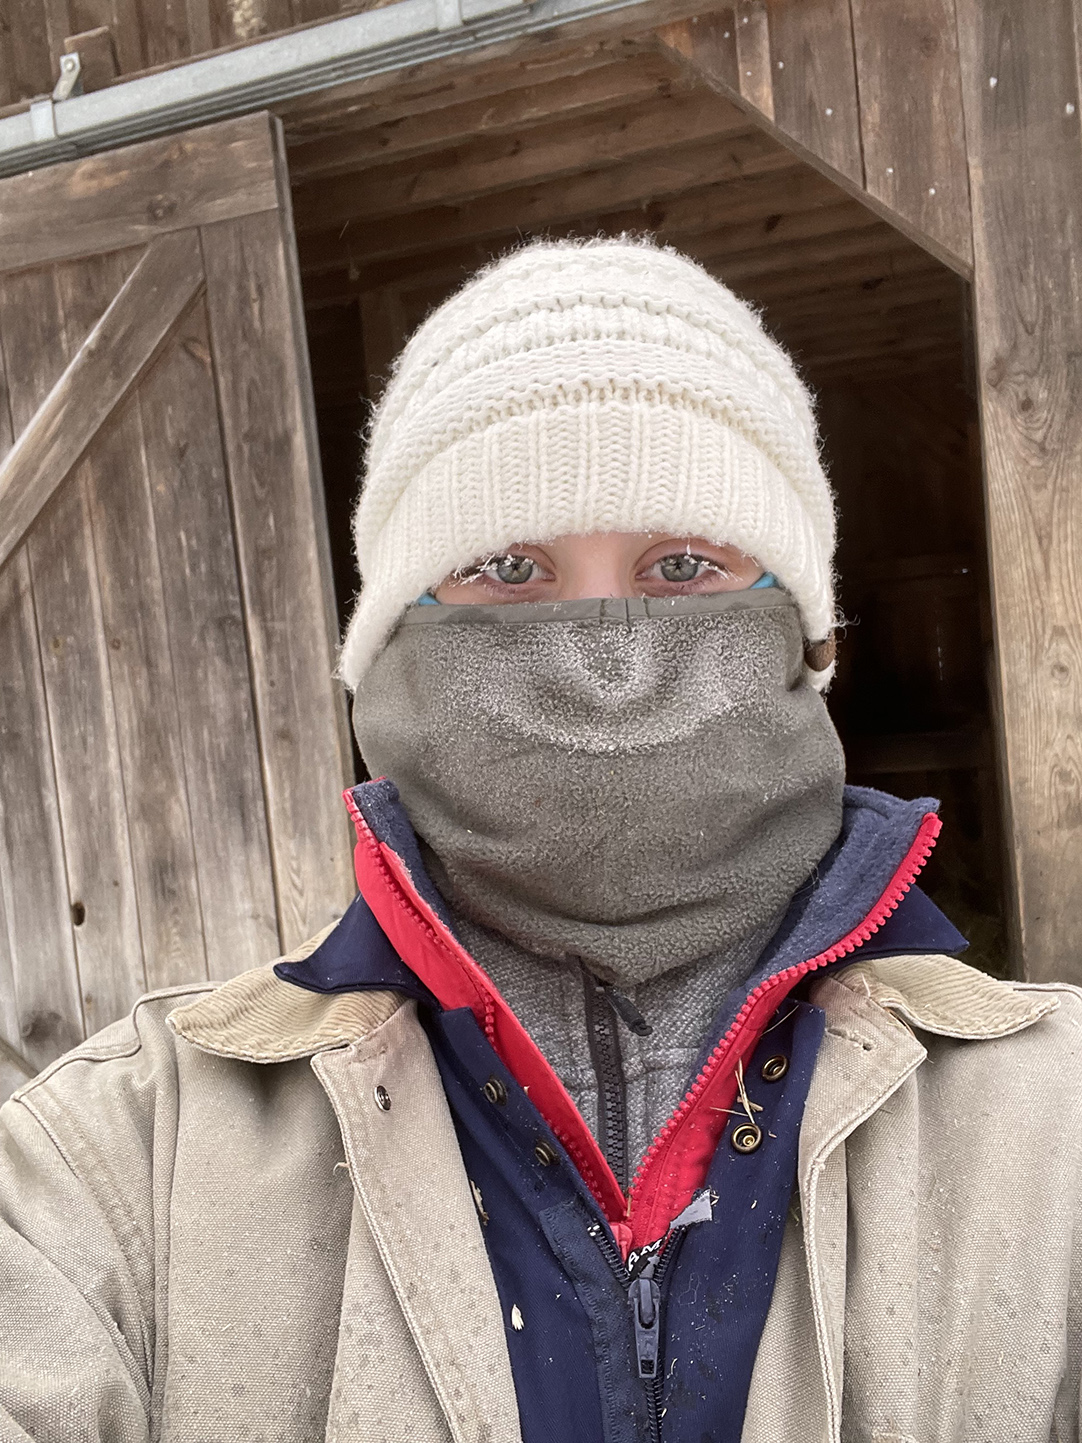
614 563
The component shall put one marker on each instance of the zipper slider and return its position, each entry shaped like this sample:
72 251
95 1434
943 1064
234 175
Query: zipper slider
644 1297
626 1010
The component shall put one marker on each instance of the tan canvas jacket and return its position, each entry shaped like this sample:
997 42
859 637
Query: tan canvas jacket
210 1231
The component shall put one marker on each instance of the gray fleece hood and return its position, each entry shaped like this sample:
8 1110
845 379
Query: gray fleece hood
636 783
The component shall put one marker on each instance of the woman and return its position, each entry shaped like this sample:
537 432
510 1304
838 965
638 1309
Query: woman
665 1112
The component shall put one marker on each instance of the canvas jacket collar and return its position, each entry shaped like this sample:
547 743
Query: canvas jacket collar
256 1017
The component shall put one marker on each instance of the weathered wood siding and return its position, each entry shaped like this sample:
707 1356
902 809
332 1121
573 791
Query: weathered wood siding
171 742
1022 99
867 90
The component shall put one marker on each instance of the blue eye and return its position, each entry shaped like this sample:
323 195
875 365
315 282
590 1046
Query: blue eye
683 567
514 570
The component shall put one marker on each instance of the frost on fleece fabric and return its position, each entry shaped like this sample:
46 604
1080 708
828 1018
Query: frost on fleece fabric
574 388
671 748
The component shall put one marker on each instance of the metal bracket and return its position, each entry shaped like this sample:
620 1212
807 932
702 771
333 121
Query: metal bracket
449 14
42 120
71 77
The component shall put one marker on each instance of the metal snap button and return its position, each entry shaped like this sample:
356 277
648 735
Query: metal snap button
495 1091
383 1097
746 1137
775 1068
545 1153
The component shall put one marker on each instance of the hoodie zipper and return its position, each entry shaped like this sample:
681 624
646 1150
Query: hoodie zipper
604 1043
604 1007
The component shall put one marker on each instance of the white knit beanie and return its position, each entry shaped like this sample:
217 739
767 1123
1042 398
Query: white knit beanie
582 387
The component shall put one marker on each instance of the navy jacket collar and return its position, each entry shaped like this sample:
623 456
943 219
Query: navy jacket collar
877 831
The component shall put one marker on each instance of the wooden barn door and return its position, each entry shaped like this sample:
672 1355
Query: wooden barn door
172 745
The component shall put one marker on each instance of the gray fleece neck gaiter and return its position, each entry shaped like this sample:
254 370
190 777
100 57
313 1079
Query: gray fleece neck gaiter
636 783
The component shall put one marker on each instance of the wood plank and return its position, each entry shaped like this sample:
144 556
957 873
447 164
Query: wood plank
844 250
128 33
240 20
534 208
15 1068
872 278
578 96
12 1072
48 1013
98 63
815 238
700 58
305 11
96 380
25 68
263 383
40 1008
756 209
200 33
501 163
39 334
765 241
1023 137
146 702
201 587
329 113
165 28
57 24
753 63
911 116
815 80
385 330
127 197
708 42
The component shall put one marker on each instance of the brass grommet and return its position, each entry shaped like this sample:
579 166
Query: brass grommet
495 1091
545 1153
746 1137
774 1068
383 1097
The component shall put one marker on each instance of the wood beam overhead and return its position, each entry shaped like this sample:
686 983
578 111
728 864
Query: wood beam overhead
327 114
532 209
758 208
542 153
401 137
767 244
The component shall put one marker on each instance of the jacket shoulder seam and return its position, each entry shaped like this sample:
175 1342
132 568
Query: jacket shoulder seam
88 1052
65 1153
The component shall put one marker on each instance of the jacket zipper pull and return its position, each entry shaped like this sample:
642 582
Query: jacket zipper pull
626 1009
644 1296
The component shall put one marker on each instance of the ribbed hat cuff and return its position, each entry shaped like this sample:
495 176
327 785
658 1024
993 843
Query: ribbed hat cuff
637 469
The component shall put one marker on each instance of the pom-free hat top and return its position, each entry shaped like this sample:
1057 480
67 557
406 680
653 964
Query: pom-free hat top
582 387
